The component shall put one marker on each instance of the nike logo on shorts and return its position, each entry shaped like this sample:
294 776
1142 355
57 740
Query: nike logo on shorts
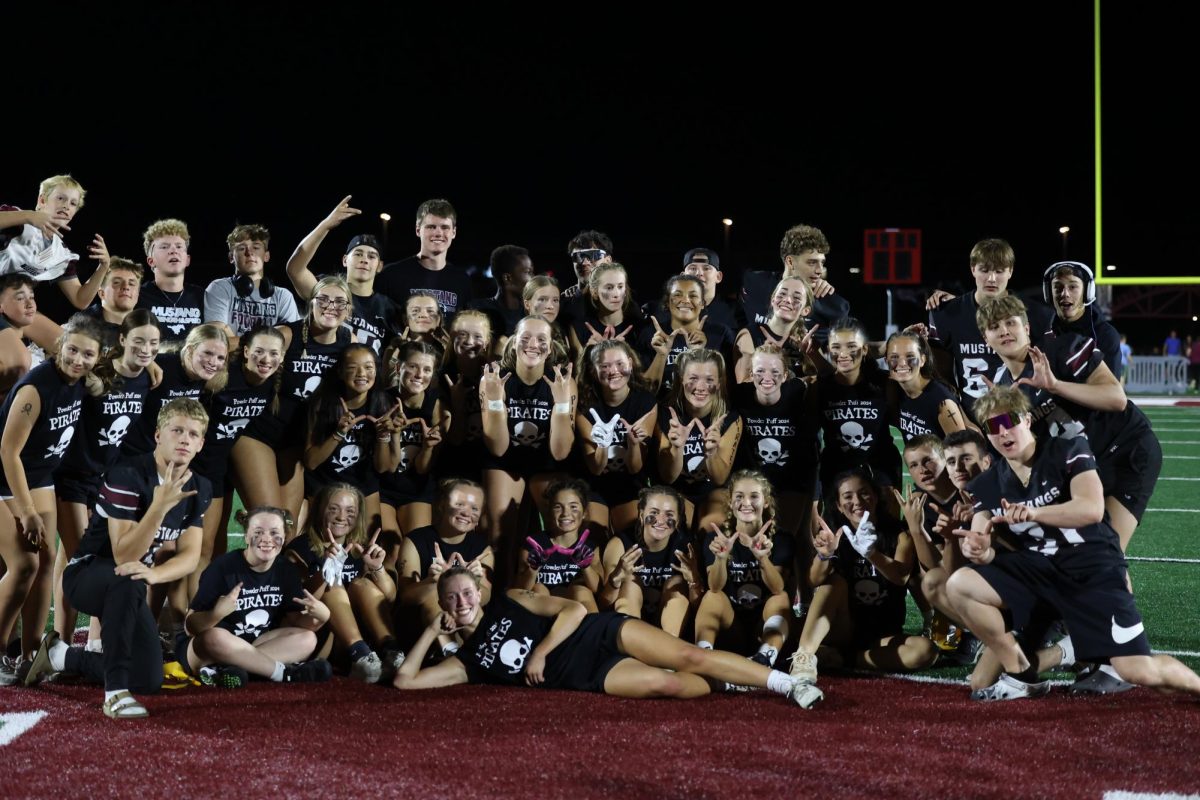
1125 635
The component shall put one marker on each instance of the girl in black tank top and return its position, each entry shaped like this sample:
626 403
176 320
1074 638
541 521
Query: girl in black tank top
266 458
406 493
471 342
562 560
791 302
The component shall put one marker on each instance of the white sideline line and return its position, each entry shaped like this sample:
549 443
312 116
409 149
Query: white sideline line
1162 560
1186 458
1178 479
1176 653
17 723
1116 794
1174 430
1179 510
1174 441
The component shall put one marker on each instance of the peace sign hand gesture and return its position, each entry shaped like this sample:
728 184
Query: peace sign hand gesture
722 544
372 554
170 493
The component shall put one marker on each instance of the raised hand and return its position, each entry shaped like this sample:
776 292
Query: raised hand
626 566
437 565
661 340
825 540
862 539
441 336
918 329
47 225
762 544
340 214
697 338
560 387
711 434
634 433
722 544
170 492
913 507
372 554
822 288
491 384
349 419
227 603
582 553
686 564
1043 376
604 433
677 433
335 560
596 336
310 606
391 421
99 251
537 555
431 435
804 344
443 625
770 338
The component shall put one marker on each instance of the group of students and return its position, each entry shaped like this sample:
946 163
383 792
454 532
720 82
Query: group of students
555 487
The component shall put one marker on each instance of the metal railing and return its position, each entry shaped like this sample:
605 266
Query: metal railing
1156 375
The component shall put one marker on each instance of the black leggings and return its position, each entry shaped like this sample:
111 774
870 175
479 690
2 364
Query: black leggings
132 657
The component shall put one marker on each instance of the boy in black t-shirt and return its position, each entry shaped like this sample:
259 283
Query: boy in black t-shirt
179 306
429 269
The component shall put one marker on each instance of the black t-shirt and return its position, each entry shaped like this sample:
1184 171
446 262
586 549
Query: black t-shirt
559 569
756 305
529 410
126 494
110 331
304 364
1056 462
694 481
496 652
105 422
953 325
177 312
918 416
450 285
719 337
743 575
264 599
175 383
616 483
854 422
373 321
873 598
778 440
1091 326
424 538
504 319
54 429
654 569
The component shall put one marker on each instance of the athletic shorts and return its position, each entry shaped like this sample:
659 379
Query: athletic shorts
77 487
1084 583
584 660
1129 471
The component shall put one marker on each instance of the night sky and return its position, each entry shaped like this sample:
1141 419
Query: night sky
964 122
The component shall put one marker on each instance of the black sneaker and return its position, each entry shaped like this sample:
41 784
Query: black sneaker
315 671
8 670
225 676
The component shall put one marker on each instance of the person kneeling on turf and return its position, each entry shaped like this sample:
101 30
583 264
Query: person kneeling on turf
147 530
251 615
1048 495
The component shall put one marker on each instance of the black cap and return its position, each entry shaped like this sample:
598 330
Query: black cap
365 240
710 255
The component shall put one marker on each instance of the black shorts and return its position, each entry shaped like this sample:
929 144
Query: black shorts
1130 470
281 431
77 487
1084 583
584 660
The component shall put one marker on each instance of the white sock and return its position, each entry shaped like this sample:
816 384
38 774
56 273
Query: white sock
450 648
774 624
277 675
1068 651
704 645
58 656
779 682
771 652
110 695
94 646
1109 669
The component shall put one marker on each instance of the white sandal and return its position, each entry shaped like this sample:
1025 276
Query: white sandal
123 705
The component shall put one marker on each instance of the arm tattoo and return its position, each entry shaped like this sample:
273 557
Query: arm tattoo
27 409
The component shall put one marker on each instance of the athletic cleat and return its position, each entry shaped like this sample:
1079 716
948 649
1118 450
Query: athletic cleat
315 671
224 676
392 661
40 667
368 669
805 694
804 666
731 688
1099 682
1009 688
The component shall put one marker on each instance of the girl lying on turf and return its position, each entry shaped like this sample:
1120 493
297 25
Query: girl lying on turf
542 640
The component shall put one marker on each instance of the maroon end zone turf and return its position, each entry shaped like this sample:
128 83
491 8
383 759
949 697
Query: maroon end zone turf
877 736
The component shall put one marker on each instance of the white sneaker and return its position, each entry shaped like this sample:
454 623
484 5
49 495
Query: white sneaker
804 666
1068 652
805 694
368 669
1009 688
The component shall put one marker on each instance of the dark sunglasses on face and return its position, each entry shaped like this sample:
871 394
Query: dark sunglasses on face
594 255
1002 422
